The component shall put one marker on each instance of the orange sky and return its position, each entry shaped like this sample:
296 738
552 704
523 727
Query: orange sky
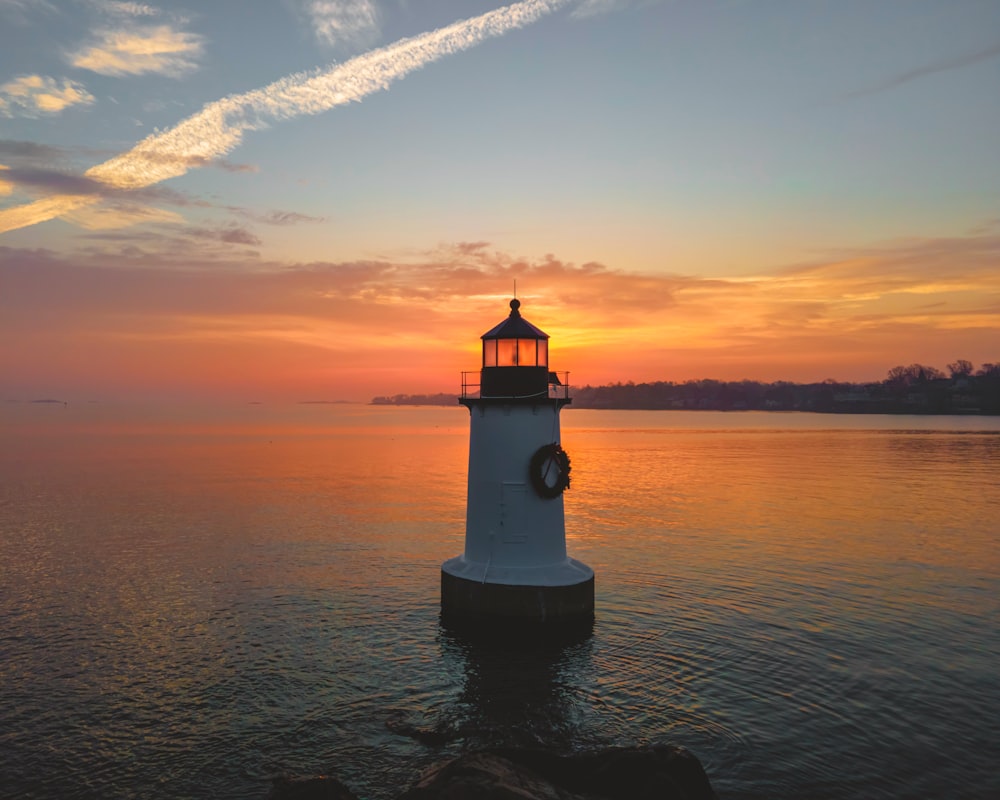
104 327
322 204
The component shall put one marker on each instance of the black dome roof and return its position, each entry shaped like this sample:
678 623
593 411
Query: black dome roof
515 326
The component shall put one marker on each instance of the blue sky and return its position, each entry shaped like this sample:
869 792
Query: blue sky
727 145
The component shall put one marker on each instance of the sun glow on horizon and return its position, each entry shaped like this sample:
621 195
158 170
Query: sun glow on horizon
269 210
323 331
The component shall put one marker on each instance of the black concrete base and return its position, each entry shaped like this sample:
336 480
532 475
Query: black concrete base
463 600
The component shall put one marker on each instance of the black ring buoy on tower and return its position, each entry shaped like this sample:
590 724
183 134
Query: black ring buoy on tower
549 459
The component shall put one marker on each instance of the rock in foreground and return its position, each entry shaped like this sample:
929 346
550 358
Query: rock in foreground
661 772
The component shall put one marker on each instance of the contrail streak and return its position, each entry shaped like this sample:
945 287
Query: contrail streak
219 127
930 69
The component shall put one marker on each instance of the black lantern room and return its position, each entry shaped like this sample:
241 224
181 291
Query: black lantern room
515 359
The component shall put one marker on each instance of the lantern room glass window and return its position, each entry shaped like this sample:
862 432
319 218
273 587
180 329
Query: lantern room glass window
489 352
515 353
506 352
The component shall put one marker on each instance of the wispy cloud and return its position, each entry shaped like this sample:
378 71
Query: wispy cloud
140 49
18 10
225 165
30 151
280 218
930 69
226 234
591 8
35 169
38 95
118 207
343 21
168 239
219 127
851 316
56 181
908 267
69 183
128 9
121 213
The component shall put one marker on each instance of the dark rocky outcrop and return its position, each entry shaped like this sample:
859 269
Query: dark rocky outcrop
661 772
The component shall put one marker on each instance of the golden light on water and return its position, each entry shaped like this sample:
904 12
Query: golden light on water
197 578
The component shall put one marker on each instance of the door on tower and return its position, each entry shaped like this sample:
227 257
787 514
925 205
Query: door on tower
513 497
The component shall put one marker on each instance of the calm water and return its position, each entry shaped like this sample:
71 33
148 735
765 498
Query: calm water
193 601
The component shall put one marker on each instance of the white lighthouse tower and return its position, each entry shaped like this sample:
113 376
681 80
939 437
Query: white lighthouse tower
515 565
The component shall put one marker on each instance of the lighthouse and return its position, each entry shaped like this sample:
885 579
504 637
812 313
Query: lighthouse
515 566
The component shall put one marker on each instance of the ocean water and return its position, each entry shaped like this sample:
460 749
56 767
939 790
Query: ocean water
192 600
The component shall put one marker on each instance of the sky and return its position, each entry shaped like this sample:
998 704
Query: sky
281 200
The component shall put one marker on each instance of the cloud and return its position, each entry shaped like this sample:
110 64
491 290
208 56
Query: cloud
140 49
125 206
44 155
35 178
128 9
931 69
343 21
54 180
17 10
112 216
179 237
227 166
281 218
74 185
852 315
371 294
234 235
30 151
38 211
927 300
219 127
908 267
592 8
37 95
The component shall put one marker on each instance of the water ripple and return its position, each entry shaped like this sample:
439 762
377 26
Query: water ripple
813 613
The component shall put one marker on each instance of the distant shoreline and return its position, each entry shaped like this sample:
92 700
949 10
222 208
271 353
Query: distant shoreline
575 406
913 392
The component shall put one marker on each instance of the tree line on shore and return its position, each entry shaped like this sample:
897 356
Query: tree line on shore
912 389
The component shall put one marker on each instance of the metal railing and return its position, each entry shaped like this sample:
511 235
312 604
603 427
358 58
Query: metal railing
558 386
470 385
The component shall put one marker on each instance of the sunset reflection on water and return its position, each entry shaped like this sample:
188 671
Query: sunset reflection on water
198 598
